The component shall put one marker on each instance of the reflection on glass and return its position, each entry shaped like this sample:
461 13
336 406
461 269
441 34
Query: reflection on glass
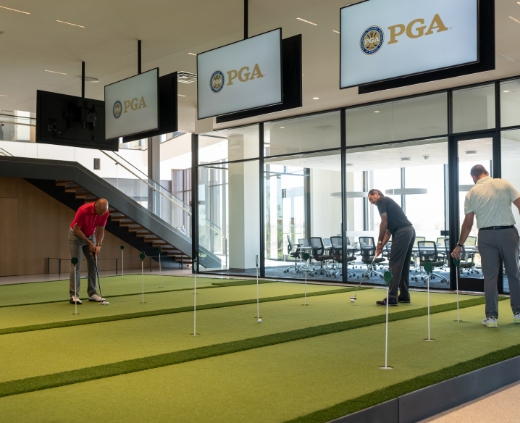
510 103
229 145
414 175
474 108
302 212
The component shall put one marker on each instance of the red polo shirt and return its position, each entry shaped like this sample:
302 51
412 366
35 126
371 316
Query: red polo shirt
87 219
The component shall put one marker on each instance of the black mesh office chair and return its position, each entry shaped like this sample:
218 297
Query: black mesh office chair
293 250
337 255
367 248
467 262
428 254
318 252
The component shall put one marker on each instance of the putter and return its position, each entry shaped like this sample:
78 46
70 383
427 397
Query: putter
353 298
99 284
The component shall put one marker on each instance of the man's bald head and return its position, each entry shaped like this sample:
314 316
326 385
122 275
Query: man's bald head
101 206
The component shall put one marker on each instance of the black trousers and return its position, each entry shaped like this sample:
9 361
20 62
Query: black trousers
400 256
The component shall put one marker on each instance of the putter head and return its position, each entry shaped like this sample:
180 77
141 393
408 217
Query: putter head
353 299
104 303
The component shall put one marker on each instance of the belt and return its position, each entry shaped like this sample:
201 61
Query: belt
494 228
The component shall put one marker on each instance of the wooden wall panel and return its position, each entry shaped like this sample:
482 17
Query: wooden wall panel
8 236
38 229
8 187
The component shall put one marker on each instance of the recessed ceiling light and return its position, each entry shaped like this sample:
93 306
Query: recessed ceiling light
337 32
306 21
91 79
3 95
505 91
514 19
181 95
15 10
192 54
315 98
282 127
376 111
51 71
71 24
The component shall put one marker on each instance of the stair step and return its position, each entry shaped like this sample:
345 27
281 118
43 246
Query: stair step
75 189
141 232
63 183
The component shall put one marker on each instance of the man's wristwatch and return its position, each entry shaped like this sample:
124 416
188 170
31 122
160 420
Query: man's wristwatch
460 245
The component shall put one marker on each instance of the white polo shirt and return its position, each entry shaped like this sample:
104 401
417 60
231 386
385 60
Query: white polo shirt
490 199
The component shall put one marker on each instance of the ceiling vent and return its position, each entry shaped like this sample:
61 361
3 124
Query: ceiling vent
186 77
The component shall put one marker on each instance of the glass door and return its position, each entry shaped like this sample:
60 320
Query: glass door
470 153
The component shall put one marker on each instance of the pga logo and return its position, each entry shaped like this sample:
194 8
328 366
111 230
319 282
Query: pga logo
218 80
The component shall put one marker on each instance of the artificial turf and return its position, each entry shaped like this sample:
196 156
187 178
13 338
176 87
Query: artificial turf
312 380
305 364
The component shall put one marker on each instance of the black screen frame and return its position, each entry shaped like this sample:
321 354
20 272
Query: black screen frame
250 108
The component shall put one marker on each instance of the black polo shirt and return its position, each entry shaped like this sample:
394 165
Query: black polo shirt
395 214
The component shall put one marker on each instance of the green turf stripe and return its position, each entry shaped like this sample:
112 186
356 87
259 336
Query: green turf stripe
402 388
37 383
240 283
104 319
213 285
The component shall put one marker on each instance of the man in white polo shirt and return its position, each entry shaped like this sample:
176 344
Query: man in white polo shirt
490 201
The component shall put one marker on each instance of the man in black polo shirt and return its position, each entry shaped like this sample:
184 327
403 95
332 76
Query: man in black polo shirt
395 223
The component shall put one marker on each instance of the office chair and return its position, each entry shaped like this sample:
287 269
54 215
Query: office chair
417 239
467 261
367 247
337 255
318 252
294 252
305 247
428 254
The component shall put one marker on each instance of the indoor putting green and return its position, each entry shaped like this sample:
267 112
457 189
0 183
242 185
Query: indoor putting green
312 363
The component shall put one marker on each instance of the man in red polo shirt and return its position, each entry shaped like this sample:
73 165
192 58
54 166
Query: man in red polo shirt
86 233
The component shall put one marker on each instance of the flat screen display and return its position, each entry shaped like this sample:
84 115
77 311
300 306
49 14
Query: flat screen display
386 39
240 76
132 105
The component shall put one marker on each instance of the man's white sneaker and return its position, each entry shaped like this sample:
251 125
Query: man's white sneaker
490 322
516 318
96 298
75 300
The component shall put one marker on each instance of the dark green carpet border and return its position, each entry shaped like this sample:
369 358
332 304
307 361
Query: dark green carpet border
137 315
37 383
394 391
213 285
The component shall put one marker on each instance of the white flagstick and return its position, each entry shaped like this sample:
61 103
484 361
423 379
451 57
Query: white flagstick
428 288
386 339
457 279
142 281
305 289
195 268
75 291
257 295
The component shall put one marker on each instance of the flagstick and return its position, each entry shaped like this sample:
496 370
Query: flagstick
457 279
75 292
257 293
195 268
386 338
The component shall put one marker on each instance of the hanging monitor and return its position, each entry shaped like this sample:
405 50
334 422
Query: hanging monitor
240 76
132 105
71 121
291 82
392 43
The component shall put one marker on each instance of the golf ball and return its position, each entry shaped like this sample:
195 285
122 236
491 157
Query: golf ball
259 320
352 300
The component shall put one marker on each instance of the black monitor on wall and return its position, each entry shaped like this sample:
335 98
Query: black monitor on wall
71 121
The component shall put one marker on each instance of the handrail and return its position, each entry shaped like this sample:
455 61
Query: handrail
151 186
208 223
5 153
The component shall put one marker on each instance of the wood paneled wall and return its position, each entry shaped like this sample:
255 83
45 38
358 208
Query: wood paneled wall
34 226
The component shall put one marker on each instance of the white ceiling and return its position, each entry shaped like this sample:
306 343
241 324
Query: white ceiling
30 44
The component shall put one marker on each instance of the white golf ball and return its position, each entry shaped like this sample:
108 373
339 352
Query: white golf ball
259 320
352 300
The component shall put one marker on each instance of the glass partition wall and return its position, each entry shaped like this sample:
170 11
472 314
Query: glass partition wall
294 192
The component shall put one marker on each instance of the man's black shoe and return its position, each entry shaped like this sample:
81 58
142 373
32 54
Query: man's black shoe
403 300
383 303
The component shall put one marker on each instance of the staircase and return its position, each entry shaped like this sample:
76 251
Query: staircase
73 185
152 241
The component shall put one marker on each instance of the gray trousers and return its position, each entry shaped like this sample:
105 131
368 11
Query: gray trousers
494 247
400 256
76 245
